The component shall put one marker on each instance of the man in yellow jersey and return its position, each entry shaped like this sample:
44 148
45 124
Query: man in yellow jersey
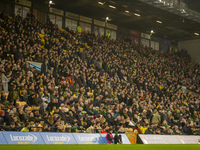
26 127
79 29
108 34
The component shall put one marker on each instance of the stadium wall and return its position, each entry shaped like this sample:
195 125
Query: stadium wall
193 48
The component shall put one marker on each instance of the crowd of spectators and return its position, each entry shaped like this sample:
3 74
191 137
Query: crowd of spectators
89 83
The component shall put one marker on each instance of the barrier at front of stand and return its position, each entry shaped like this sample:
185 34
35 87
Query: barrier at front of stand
23 138
125 140
58 138
168 139
2 139
88 138
55 138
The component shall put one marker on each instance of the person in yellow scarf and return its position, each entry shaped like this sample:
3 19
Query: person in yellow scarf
143 128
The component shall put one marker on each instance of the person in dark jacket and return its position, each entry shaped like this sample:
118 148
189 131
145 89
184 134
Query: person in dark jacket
18 55
45 67
55 74
31 100
117 138
149 131
2 113
109 136
45 128
12 127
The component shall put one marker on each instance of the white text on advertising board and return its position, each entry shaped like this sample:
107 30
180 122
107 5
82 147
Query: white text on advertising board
58 138
28 138
88 139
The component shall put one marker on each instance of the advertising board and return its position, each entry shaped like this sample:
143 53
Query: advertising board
58 138
168 139
88 138
23 138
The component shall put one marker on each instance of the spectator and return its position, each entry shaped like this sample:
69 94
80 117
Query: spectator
12 127
2 113
45 67
91 129
26 127
5 80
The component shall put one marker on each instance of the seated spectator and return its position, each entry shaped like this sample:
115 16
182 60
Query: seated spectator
12 127
91 129
2 117
26 127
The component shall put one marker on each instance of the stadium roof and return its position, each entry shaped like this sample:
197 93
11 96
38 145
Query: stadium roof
165 24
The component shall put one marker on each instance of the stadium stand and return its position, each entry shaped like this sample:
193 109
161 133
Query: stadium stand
92 84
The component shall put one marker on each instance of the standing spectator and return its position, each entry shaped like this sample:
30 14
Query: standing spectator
44 67
1 87
79 29
18 55
5 81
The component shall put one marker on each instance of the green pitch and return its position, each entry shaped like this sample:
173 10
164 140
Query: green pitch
100 147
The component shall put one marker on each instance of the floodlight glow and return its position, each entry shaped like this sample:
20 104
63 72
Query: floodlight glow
159 21
112 6
137 14
100 3
127 11
196 34
50 2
